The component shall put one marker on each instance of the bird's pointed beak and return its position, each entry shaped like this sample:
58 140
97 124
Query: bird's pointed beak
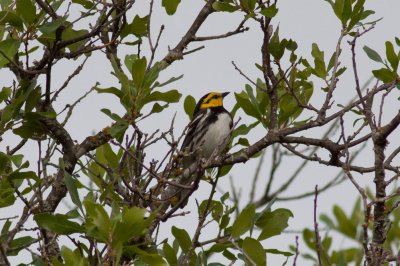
224 94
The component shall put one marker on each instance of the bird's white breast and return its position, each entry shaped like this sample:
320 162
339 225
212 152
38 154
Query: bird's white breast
217 135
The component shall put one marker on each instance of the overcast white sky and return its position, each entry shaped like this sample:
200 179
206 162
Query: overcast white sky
210 69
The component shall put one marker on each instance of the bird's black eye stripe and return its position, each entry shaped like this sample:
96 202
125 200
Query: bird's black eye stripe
213 97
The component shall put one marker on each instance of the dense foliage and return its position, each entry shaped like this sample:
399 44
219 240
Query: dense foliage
120 196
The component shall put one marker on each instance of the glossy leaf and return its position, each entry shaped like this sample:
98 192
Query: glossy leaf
255 251
131 224
98 223
72 189
27 10
7 197
73 257
85 3
10 48
189 105
5 93
182 237
9 17
384 75
215 207
227 7
270 11
58 223
392 56
244 103
138 27
17 244
273 223
170 6
138 69
279 252
148 257
52 26
345 226
171 96
111 90
70 34
244 221
372 54
170 254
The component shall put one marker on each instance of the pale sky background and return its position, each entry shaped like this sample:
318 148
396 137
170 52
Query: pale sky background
210 69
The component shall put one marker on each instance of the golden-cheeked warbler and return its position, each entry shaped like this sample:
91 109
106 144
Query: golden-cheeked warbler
208 133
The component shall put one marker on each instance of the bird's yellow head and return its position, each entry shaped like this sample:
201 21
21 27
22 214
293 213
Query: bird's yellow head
212 99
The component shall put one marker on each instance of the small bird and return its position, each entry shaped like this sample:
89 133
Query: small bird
208 133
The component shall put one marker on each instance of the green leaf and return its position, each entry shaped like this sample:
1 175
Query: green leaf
224 170
346 11
316 52
138 27
345 226
4 161
27 11
23 175
279 252
118 130
71 34
255 251
182 237
73 257
384 75
243 142
170 254
225 7
148 258
111 90
58 223
138 69
31 129
243 101
170 6
5 230
320 68
244 129
392 56
372 54
215 207
273 223
51 26
17 159
270 11
244 221
171 96
328 221
248 5
85 3
173 79
72 189
7 197
397 41
98 224
132 224
11 18
189 105
338 8
112 115
157 108
10 48
5 93
277 47
18 244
